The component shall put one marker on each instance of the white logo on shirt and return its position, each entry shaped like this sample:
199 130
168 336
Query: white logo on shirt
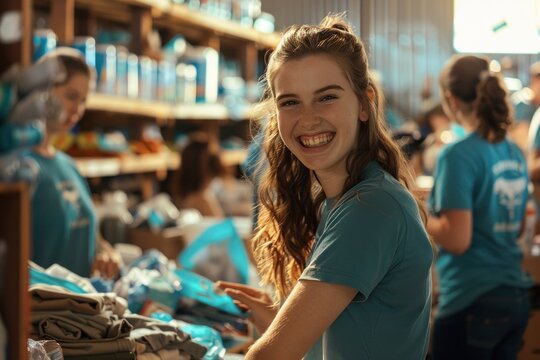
510 193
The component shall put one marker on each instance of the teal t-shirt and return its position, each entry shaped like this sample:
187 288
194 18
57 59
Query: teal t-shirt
373 240
63 219
491 181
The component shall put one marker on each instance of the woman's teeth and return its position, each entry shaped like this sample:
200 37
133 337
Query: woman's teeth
317 140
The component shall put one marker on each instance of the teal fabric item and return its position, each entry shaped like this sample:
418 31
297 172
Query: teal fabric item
219 240
373 240
63 218
39 277
195 286
491 181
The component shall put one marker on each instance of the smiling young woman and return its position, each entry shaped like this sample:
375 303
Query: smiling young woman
339 236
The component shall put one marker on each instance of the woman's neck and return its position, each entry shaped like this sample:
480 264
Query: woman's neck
469 123
45 148
332 183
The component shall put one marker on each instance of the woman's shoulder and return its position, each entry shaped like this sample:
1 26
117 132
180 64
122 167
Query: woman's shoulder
379 195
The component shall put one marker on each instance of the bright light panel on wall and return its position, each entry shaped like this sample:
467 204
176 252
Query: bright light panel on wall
497 26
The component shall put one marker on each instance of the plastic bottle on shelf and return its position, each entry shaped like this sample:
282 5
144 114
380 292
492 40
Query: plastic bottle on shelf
44 40
86 45
186 83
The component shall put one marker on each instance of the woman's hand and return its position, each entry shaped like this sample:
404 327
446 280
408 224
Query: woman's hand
106 265
108 262
254 300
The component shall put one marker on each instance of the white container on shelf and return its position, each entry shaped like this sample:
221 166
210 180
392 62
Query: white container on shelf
206 62
186 83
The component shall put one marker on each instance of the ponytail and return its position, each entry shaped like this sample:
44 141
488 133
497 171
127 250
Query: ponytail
469 79
492 107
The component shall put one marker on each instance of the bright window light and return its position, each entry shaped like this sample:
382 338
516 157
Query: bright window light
497 26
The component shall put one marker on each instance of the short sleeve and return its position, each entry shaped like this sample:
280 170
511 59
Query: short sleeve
453 187
357 246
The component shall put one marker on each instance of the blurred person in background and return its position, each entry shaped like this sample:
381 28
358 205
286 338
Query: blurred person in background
526 101
200 165
478 201
64 224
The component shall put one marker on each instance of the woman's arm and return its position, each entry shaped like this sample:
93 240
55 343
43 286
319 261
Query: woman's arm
310 309
452 230
533 162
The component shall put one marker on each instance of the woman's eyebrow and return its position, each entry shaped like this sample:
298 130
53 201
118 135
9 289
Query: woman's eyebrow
318 91
329 87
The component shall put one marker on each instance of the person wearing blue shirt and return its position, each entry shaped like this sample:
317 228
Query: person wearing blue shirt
525 103
340 237
478 200
64 225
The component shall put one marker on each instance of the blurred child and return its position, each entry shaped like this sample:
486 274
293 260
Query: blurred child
199 166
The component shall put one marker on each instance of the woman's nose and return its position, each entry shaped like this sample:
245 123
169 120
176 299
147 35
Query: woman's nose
310 118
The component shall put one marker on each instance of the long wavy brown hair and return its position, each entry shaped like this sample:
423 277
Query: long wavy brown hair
290 196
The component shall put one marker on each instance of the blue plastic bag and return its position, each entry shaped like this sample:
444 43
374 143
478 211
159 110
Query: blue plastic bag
218 253
197 287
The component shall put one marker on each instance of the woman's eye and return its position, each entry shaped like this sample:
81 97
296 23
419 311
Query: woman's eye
328 98
287 103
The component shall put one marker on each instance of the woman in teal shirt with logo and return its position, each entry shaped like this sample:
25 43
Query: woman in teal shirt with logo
339 236
64 225
479 198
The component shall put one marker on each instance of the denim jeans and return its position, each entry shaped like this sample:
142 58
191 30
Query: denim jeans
490 329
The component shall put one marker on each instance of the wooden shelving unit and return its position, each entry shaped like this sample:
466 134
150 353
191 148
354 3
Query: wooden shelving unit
15 231
159 110
168 14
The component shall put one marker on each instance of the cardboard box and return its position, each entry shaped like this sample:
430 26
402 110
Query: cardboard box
169 241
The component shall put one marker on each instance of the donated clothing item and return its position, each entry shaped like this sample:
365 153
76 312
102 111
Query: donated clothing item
491 181
373 240
53 298
116 356
63 219
493 325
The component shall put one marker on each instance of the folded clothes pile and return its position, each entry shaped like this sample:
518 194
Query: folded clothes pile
87 325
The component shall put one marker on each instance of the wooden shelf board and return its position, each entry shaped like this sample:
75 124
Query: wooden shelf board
133 164
12 188
130 164
156 109
128 106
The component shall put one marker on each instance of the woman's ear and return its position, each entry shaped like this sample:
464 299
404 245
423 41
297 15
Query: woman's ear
363 116
364 105
453 103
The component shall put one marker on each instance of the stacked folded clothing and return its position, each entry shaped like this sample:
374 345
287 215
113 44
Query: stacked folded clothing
94 325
